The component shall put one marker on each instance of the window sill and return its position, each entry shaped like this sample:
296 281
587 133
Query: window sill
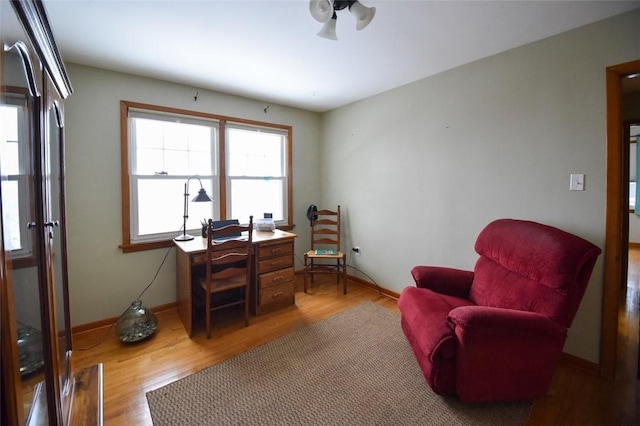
131 248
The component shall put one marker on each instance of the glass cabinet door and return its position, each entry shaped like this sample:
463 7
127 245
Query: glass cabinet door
56 241
20 217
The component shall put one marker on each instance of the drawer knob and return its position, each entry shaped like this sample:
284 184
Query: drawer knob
277 294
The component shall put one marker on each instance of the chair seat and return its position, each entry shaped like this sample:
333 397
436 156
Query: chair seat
312 254
224 284
431 336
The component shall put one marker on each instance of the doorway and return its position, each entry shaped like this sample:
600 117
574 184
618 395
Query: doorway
617 216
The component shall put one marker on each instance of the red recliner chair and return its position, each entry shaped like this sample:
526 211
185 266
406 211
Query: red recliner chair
497 332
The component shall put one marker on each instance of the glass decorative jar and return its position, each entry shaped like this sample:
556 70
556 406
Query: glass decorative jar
136 323
29 349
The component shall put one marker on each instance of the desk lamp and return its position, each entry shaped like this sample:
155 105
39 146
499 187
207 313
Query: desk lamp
201 197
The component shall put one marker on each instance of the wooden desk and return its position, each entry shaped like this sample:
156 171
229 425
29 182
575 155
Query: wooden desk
272 282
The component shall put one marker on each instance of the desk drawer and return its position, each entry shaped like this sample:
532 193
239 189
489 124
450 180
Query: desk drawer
272 250
275 263
276 278
276 296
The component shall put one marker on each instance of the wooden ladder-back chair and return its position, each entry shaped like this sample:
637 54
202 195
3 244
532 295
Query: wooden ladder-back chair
229 254
325 256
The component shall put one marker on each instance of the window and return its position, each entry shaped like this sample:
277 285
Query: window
165 150
14 166
256 166
243 165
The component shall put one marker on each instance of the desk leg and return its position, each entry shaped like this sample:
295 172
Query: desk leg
183 290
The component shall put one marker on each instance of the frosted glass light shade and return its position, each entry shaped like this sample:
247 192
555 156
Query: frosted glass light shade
364 15
329 30
321 10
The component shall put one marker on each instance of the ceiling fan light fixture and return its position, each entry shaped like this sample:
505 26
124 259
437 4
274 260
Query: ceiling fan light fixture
364 15
328 30
324 11
321 10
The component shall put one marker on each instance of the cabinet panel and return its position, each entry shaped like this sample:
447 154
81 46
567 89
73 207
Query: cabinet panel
55 241
271 250
275 263
272 279
276 297
272 257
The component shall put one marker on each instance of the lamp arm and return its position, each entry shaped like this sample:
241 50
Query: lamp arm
186 199
185 215
187 183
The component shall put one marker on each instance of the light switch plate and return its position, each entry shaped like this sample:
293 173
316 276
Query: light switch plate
576 182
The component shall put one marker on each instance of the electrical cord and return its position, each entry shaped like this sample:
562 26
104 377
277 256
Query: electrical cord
156 275
378 288
299 261
104 338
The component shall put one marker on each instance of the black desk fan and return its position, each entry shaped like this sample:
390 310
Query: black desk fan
311 214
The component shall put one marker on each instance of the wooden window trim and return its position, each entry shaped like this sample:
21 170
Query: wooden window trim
127 246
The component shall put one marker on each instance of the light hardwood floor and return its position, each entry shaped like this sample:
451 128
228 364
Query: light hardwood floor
579 398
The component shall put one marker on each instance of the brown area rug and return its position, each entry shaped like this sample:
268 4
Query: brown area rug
354 368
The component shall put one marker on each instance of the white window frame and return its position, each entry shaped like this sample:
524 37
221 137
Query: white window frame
162 175
282 177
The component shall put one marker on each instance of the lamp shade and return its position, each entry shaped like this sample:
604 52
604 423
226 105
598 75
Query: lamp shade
321 10
329 30
364 15
202 196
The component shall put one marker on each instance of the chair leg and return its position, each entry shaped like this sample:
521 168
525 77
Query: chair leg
312 275
305 274
246 306
344 277
207 309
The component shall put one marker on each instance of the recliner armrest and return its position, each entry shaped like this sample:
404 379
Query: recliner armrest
504 352
507 322
450 281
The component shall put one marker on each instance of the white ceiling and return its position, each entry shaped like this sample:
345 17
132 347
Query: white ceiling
268 49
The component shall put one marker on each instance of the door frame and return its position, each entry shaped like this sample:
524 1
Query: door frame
617 217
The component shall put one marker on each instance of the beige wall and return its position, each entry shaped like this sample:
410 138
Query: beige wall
419 170
103 280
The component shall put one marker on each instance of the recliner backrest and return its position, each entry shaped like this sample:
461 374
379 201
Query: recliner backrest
529 266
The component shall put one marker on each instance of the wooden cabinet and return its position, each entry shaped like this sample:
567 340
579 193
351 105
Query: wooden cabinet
275 279
38 385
